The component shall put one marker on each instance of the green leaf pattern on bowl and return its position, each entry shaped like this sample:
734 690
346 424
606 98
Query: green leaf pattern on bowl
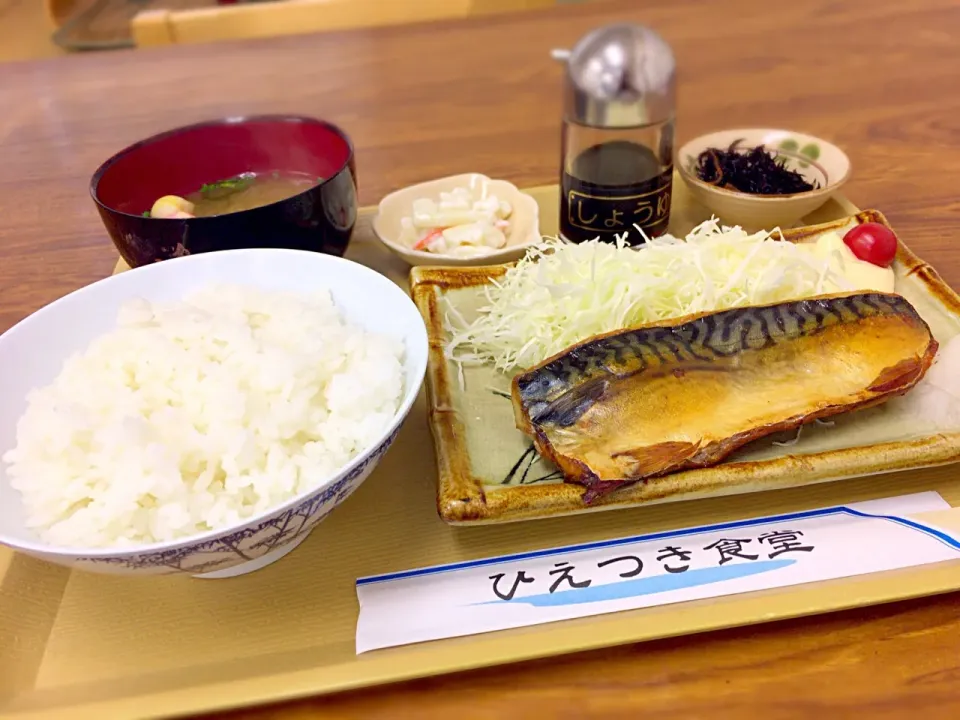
791 148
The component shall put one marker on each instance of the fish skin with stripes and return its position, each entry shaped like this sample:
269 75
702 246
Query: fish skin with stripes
643 402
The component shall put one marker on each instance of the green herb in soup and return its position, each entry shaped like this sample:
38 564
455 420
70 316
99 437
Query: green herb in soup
242 192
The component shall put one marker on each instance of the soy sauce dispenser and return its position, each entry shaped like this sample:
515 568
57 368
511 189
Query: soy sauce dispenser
617 144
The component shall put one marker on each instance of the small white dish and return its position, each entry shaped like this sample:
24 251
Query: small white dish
524 223
33 351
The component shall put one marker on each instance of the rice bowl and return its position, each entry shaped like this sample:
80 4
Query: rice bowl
273 381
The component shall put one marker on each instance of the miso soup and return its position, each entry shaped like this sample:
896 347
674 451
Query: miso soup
242 192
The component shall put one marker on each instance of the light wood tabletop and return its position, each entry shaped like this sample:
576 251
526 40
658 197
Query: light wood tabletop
877 78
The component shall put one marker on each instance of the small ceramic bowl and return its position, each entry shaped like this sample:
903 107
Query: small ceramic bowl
178 162
524 223
33 351
819 161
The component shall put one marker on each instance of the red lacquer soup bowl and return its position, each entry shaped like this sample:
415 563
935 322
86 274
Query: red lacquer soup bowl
188 161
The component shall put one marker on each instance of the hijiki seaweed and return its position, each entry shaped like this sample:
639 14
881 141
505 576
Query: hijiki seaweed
755 171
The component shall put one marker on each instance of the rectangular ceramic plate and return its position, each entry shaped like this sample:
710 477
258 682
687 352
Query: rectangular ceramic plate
490 473
78 645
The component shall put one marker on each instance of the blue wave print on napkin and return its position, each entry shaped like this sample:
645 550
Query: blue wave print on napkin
648 585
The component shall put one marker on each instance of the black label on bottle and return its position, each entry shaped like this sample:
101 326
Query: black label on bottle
589 210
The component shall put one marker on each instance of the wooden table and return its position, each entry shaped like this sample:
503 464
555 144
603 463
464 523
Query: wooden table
879 78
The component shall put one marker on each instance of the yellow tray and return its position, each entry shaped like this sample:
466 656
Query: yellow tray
91 646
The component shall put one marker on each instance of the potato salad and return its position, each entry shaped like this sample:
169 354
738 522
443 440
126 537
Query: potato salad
465 222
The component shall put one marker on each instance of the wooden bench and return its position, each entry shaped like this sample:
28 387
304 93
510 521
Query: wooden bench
167 27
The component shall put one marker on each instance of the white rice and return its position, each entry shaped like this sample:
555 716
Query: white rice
192 416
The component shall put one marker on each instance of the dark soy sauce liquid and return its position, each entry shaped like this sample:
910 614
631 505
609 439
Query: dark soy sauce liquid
610 182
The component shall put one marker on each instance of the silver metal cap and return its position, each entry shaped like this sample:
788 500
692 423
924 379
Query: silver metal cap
620 75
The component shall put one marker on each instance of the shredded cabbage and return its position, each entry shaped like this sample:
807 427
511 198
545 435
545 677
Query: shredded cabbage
561 293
